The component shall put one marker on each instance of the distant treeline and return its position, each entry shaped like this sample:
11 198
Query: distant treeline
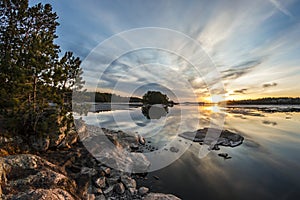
109 97
266 101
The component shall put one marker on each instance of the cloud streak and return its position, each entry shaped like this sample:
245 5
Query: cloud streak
241 69
241 91
282 9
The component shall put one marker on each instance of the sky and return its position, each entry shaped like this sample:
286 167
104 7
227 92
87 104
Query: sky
194 50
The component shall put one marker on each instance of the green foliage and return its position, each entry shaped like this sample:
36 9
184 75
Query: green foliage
32 74
155 97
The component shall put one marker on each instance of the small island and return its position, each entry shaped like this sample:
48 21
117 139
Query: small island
156 97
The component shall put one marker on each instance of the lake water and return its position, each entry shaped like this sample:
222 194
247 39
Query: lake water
265 166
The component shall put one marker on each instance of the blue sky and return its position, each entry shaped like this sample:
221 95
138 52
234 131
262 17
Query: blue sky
254 45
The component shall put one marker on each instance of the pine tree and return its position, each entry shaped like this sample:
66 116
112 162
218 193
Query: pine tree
32 74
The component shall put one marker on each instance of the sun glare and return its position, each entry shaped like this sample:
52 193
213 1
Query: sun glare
216 98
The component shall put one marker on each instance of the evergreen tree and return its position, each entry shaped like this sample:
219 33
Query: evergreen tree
32 75
155 97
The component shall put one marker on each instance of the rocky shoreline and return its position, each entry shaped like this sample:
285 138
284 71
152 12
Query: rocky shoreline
65 169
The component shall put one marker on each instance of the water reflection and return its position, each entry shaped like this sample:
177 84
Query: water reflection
155 111
265 166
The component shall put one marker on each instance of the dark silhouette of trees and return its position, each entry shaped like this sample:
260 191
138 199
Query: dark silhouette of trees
267 101
155 97
102 97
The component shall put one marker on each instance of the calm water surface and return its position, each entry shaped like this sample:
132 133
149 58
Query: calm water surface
265 166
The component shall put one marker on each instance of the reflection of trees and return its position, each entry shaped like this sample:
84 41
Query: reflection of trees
155 111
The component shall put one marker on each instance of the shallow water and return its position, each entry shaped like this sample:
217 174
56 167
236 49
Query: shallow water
265 166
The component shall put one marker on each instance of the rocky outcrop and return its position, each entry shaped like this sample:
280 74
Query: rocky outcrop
64 174
62 168
53 194
27 176
214 136
116 149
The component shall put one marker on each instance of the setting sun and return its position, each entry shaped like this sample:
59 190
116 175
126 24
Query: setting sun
215 98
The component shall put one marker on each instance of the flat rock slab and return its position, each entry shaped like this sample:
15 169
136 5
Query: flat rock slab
159 196
211 135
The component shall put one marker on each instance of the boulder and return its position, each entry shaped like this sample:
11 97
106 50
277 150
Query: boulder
119 188
132 191
128 182
112 180
159 196
106 170
100 182
143 190
88 171
109 190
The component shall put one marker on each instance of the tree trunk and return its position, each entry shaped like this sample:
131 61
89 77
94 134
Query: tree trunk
34 93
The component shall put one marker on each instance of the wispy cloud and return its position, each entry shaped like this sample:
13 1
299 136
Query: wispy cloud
280 7
240 70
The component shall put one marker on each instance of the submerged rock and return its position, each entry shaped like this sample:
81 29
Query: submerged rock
216 137
174 149
224 155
